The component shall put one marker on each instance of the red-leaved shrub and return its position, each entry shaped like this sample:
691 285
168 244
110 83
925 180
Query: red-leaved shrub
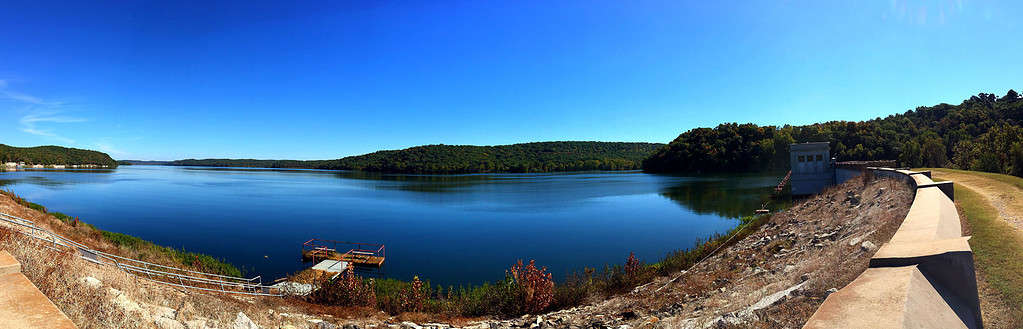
631 266
536 284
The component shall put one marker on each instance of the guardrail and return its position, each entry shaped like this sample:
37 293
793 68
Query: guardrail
162 274
922 278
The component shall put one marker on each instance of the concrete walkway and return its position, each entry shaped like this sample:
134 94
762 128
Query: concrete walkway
21 304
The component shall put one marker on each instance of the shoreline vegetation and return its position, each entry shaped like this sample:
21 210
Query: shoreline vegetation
527 287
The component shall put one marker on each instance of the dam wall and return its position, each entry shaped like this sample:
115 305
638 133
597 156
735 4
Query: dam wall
922 278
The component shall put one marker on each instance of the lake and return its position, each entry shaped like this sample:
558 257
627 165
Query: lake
451 229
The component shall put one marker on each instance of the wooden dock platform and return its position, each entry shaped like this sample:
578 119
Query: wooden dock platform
359 254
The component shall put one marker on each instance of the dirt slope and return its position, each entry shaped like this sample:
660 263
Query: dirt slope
775 278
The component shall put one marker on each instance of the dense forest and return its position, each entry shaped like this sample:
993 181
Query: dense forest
253 163
982 133
54 155
449 159
527 157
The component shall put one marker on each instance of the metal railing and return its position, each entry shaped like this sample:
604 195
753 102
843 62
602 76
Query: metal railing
356 250
162 274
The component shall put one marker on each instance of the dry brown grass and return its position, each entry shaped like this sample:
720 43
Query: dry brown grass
56 274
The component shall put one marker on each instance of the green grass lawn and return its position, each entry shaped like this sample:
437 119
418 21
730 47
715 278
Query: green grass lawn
997 248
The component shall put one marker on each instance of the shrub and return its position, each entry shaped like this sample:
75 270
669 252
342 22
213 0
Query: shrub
536 285
632 266
413 296
347 289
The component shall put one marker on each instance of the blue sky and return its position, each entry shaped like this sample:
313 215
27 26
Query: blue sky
322 80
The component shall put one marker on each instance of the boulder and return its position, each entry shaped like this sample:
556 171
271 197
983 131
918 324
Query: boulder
243 322
197 324
91 282
868 246
168 323
325 325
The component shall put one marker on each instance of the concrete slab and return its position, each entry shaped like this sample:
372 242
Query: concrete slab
332 266
914 249
22 305
891 297
932 216
8 264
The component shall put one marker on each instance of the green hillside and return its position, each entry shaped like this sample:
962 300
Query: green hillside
54 155
527 157
982 133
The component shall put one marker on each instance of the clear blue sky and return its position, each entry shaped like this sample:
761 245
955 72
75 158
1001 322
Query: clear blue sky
143 80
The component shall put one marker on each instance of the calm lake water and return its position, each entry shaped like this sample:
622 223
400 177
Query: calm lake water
450 229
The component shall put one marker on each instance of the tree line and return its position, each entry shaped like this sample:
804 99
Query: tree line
455 159
526 157
254 163
54 155
982 133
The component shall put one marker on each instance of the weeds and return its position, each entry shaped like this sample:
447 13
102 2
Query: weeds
346 290
413 296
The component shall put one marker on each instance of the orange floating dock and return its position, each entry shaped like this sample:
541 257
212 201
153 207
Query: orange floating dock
359 254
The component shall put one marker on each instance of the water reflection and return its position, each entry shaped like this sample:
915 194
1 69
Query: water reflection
478 223
732 197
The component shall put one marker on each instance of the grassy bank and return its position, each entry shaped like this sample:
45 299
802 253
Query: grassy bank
135 247
997 247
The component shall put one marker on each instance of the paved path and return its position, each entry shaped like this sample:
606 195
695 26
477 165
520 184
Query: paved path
1003 196
21 304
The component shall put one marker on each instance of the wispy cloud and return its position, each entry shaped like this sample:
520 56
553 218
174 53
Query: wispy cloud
41 114
30 123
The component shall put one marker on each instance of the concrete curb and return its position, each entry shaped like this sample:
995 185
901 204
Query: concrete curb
923 278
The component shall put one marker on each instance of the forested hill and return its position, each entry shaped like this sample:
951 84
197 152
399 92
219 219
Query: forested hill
450 159
527 157
254 163
54 155
982 133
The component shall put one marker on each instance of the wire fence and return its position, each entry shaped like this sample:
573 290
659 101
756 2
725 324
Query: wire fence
162 274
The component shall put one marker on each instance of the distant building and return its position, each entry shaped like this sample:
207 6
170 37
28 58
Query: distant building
812 167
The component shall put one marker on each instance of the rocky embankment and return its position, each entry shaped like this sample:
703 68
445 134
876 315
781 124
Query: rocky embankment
774 278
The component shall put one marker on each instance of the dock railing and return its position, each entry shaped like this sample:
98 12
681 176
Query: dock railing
349 251
162 274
